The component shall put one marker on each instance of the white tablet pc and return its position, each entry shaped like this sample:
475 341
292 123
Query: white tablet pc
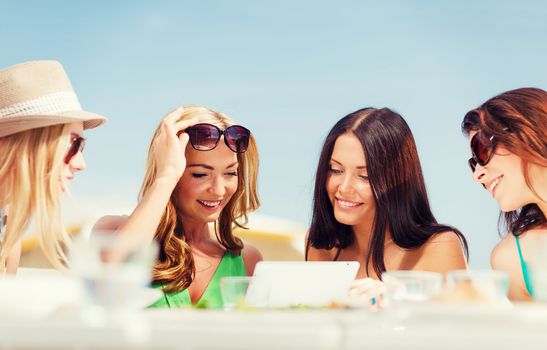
299 283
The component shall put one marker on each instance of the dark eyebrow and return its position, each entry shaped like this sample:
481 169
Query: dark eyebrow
359 167
75 134
208 167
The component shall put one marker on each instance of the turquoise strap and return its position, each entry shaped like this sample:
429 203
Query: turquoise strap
525 272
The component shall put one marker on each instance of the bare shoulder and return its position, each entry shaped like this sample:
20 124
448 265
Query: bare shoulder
528 241
443 252
109 223
447 242
505 258
446 237
533 237
504 253
251 256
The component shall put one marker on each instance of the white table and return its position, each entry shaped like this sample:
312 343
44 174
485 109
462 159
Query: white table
425 327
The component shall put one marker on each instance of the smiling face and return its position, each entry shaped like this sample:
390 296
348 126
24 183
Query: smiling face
207 184
77 162
502 176
348 187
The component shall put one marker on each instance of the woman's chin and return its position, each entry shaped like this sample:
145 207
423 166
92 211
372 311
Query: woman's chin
62 186
509 206
346 219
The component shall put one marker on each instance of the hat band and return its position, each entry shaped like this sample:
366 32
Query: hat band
51 104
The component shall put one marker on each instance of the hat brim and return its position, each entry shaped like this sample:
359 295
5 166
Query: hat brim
13 125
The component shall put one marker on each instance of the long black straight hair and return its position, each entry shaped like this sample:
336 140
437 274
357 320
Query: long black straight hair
398 187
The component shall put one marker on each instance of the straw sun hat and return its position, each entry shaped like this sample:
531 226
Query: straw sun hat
38 94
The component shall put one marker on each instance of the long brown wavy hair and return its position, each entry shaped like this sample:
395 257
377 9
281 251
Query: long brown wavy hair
518 121
175 268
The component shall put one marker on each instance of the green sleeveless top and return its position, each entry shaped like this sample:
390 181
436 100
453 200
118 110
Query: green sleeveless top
230 265
525 270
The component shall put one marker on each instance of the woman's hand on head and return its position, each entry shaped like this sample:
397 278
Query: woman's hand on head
170 145
369 290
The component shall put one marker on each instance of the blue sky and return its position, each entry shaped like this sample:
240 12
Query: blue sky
288 70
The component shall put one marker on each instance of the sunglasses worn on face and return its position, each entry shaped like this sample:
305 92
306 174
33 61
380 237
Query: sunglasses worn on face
205 137
77 145
482 149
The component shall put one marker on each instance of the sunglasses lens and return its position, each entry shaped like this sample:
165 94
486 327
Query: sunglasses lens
203 137
482 148
237 138
472 164
76 146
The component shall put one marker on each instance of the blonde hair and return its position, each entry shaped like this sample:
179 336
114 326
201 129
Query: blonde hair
175 266
30 170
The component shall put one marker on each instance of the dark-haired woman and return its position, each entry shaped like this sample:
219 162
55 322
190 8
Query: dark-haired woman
508 140
370 203
202 170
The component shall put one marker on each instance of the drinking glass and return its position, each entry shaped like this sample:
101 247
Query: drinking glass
412 286
115 273
478 285
234 290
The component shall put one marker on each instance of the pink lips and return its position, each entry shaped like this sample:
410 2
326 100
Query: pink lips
492 185
345 204
210 205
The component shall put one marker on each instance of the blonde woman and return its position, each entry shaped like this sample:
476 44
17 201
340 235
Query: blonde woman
41 143
201 169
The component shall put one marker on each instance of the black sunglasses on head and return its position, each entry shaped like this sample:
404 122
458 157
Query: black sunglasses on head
205 137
